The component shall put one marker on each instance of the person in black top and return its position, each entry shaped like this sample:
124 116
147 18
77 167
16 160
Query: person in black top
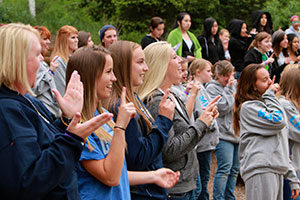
156 30
262 21
211 45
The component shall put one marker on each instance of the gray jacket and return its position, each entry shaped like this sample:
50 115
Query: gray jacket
43 89
225 108
179 153
60 75
211 137
293 117
264 139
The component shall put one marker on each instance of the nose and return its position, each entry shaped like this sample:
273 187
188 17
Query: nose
113 78
146 68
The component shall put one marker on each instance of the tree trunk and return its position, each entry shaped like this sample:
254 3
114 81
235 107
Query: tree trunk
32 7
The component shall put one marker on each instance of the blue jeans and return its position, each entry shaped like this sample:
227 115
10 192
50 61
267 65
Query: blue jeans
287 191
182 196
204 170
197 191
227 171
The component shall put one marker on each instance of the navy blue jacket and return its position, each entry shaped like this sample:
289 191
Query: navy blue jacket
144 152
38 156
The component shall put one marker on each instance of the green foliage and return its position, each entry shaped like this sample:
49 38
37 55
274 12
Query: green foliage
281 11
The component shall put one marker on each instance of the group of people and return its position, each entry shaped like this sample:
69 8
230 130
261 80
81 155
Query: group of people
122 120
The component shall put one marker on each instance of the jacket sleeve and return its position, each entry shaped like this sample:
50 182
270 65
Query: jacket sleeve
226 102
143 147
249 59
293 117
265 118
60 76
42 81
34 163
183 137
292 177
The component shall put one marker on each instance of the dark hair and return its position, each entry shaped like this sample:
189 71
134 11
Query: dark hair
155 21
245 92
291 37
83 38
179 18
277 37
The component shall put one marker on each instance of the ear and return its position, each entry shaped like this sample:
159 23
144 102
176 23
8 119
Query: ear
258 43
178 22
151 29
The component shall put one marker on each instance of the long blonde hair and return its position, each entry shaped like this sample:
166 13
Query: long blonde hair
61 47
15 44
157 56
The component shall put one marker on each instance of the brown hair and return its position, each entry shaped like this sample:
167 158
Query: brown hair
122 52
43 31
277 37
155 21
61 47
223 68
89 63
83 38
200 64
289 86
245 92
258 38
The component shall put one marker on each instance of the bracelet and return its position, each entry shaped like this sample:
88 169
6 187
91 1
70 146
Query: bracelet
119 127
52 72
265 62
187 58
65 120
185 92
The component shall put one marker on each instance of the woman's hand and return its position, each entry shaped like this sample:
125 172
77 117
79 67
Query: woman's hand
85 129
167 105
196 86
165 178
126 111
53 64
274 86
72 102
210 112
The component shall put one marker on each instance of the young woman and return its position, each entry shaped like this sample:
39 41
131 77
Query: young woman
227 148
289 94
185 42
84 39
156 29
202 72
260 121
179 152
224 37
281 57
65 44
102 170
145 137
212 49
258 51
262 22
40 151
293 48
238 44
45 80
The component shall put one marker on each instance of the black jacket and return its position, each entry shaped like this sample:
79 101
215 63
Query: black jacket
238 45
256 15
148 39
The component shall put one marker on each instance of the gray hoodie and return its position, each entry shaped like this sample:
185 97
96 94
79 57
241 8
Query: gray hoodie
225 108
264 139
211 137
179 153
60 75
293 117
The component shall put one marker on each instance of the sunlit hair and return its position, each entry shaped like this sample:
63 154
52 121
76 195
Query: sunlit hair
157 57
245 92
83 38
258 38
89 63
61 47
199 64
291 66
43 31
222 68
122 53
223 31
15 44
289 86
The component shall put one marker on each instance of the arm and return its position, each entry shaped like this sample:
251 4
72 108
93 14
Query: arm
192 98
43 80
162 177
60 75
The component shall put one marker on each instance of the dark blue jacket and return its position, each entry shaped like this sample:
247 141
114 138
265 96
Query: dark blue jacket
144 152
38 156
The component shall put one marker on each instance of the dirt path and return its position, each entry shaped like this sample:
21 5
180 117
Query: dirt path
239 190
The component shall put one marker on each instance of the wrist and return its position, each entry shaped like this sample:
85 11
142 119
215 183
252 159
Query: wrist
187 93
265 62
51 71
120 128
65 120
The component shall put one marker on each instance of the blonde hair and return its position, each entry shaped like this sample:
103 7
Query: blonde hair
290 66
61 47
200 64
289 86
15 44
223 31
157 56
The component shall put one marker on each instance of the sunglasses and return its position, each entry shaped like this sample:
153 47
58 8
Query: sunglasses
295 22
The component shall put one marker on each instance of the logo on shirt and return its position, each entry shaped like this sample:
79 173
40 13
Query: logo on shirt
275 117
295 123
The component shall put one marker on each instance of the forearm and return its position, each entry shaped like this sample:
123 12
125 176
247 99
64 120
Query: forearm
190 104
139 178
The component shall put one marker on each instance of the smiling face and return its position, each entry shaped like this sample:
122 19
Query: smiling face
244 30
184 72
295 44
185 23
265 45
105 81
205 75
90 42
295 23
33 60
284 42
73 42
45 42
174 73
263 80
139 67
